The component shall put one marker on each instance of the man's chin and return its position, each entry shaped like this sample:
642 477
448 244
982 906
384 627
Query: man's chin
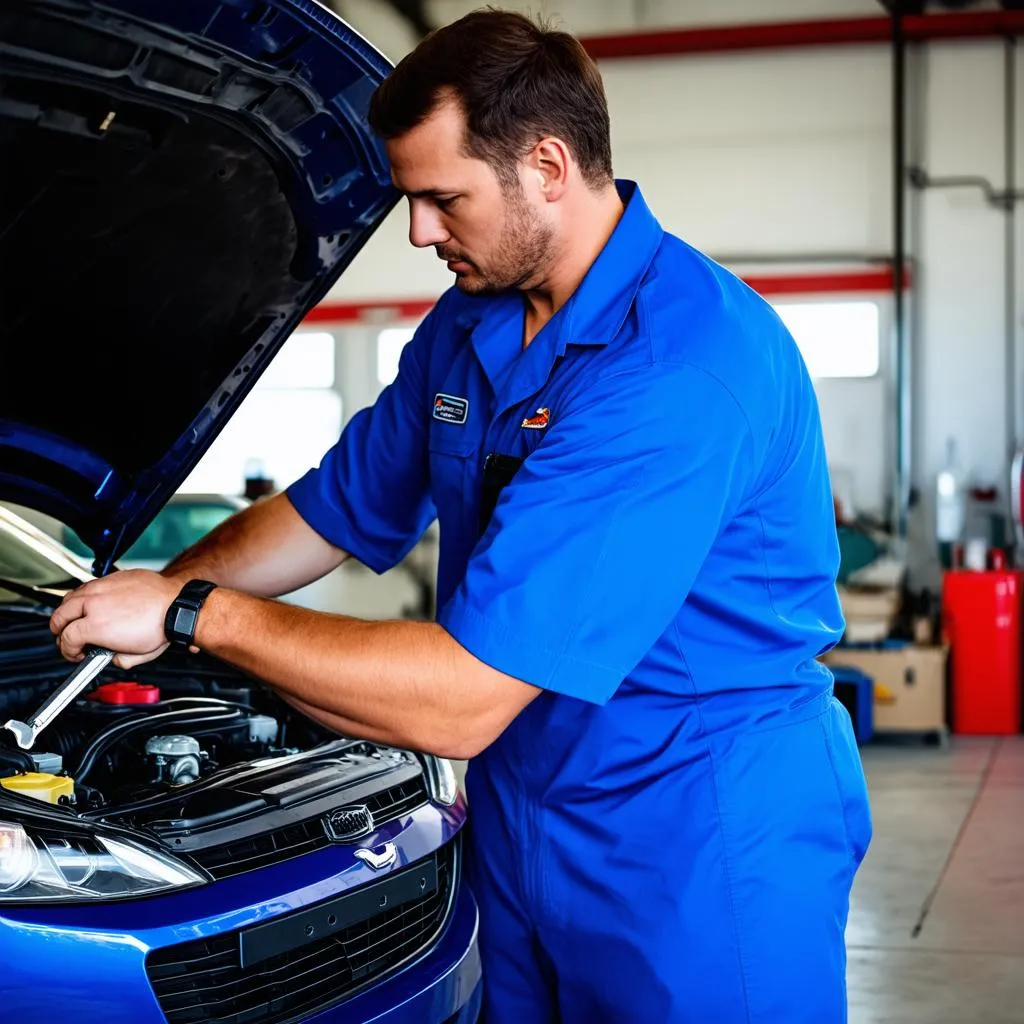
473 284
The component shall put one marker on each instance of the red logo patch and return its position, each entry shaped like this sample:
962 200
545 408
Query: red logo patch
539 421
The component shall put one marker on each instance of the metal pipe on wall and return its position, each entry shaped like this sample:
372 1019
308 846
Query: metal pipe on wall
1010 227
901 350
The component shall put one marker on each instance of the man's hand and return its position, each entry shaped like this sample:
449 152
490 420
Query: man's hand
123 612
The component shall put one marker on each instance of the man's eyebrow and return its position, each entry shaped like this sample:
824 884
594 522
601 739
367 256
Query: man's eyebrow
428 193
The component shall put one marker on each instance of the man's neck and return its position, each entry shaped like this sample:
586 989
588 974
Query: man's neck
592 222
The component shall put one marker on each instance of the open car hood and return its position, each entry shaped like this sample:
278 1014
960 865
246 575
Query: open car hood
183 181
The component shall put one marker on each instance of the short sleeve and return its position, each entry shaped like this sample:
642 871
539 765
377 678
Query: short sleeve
596 542
370 493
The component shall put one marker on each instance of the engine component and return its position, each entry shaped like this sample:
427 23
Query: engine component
262 729
41 785
176 758
15 761
197 711
125 693
48 764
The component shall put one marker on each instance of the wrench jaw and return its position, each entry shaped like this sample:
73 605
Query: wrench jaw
25 735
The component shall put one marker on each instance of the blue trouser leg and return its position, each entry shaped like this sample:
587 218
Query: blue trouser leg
518 985
717 896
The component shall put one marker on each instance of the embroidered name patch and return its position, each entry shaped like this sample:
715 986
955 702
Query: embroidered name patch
450 408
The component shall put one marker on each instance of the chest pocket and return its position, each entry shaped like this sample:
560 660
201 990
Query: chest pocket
454 452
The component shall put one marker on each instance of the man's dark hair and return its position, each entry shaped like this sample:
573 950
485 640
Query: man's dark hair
517 82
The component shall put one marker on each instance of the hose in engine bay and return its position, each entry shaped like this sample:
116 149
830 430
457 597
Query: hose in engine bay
16 759
213 711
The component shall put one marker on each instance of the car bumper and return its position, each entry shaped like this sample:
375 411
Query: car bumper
54 967
443 988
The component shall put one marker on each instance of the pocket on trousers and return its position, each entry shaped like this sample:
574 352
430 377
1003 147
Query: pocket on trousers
849 778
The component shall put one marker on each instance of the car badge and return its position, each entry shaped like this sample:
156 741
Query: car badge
377 861
348 823
538 421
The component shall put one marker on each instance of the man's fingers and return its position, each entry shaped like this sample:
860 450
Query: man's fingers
71 608
71 641
130 661
124 611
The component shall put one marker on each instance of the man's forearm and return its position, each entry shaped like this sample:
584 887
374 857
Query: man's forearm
342 726
409 684
267 549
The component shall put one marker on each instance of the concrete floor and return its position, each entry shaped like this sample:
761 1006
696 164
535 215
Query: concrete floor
936 932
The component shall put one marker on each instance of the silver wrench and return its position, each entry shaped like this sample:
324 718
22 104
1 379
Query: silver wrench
95 661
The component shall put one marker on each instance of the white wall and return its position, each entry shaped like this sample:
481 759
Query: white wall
960 351
769 153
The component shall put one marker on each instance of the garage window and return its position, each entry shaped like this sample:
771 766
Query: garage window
390 343
285 424
836 339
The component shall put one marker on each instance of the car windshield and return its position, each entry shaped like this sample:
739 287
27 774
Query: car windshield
176 526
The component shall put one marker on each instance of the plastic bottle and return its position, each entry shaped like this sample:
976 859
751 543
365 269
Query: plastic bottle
950 504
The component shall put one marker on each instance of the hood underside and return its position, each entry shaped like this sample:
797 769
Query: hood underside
183 181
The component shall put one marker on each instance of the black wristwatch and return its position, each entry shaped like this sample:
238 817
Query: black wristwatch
183 613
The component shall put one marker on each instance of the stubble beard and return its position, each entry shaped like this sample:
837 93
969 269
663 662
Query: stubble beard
523 250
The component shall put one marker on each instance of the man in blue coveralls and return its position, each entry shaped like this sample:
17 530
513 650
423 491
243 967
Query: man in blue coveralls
637 571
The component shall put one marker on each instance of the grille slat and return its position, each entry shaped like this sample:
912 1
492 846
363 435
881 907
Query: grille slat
421 929
223 996
306 836
203 981
187 966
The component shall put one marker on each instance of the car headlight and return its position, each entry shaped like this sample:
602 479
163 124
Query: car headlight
442 785
45 866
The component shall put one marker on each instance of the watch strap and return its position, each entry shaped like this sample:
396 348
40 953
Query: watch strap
183 613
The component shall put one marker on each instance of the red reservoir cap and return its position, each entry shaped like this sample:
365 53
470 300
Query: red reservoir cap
126 693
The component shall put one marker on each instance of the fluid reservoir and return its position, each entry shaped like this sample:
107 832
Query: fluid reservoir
262 729
41 785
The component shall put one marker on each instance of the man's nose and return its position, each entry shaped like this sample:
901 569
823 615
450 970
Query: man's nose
425 225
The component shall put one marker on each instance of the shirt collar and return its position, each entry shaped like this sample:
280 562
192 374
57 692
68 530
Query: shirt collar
593 315
597 309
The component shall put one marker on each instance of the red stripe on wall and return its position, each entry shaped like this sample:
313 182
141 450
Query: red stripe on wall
798 34
856 281
386 310
374 309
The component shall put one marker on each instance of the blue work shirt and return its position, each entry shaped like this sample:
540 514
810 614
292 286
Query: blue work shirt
669 830
669 538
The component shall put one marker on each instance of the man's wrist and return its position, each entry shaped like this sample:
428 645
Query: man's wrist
207 625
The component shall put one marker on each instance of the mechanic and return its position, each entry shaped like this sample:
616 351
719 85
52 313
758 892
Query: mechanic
637 570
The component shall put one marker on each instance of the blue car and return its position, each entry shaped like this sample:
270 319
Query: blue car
183 181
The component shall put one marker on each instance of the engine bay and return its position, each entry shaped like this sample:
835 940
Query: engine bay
170 742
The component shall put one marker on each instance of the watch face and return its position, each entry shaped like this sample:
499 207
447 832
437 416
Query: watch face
184 626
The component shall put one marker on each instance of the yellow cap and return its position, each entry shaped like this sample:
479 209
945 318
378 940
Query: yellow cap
42 785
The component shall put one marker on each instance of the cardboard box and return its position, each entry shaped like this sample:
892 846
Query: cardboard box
870 613
910 685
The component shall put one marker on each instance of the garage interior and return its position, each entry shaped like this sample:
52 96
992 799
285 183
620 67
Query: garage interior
809 150
860 163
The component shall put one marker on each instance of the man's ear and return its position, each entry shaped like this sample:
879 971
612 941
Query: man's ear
550 165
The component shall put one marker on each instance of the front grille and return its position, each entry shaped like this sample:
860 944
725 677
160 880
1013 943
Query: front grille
305 836
204 980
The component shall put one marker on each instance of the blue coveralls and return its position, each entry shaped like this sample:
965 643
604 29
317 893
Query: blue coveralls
669 832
